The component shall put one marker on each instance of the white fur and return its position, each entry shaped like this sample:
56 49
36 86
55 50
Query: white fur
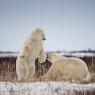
54 57
31 49
72 68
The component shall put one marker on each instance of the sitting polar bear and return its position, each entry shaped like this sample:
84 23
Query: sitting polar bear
63 68
31 50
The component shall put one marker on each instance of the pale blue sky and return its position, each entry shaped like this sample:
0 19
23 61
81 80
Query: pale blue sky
69 24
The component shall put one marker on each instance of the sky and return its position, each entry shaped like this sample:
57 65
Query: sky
68 24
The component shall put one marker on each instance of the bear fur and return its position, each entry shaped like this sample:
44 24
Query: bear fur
53 57
63 68
30 51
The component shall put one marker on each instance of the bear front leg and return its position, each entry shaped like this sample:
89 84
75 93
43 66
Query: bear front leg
42 56
19 78
31 70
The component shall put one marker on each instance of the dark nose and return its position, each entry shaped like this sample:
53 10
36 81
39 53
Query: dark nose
44 38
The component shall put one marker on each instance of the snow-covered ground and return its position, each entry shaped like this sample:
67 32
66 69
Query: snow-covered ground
77 54
46 88
8 54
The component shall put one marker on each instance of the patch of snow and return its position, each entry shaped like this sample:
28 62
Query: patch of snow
6 54
77 54
45 88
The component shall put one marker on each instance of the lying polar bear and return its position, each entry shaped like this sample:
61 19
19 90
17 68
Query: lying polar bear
73 69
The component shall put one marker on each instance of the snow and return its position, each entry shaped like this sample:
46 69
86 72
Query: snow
77 54
45 88
9 54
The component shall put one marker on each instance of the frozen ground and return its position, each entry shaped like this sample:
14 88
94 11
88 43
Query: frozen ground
77 54
8 54
46 88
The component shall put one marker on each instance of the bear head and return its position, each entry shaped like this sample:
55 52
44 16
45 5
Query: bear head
38 34
55 57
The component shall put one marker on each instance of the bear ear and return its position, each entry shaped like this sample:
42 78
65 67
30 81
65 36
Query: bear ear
35 31
38 29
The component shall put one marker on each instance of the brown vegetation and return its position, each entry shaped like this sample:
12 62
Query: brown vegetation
8 67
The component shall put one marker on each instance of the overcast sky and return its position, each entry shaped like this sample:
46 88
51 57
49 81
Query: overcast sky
68 24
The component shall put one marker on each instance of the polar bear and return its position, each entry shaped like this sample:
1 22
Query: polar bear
53 57
63 68
30 51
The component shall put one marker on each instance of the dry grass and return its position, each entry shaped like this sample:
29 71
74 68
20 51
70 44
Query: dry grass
8 70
